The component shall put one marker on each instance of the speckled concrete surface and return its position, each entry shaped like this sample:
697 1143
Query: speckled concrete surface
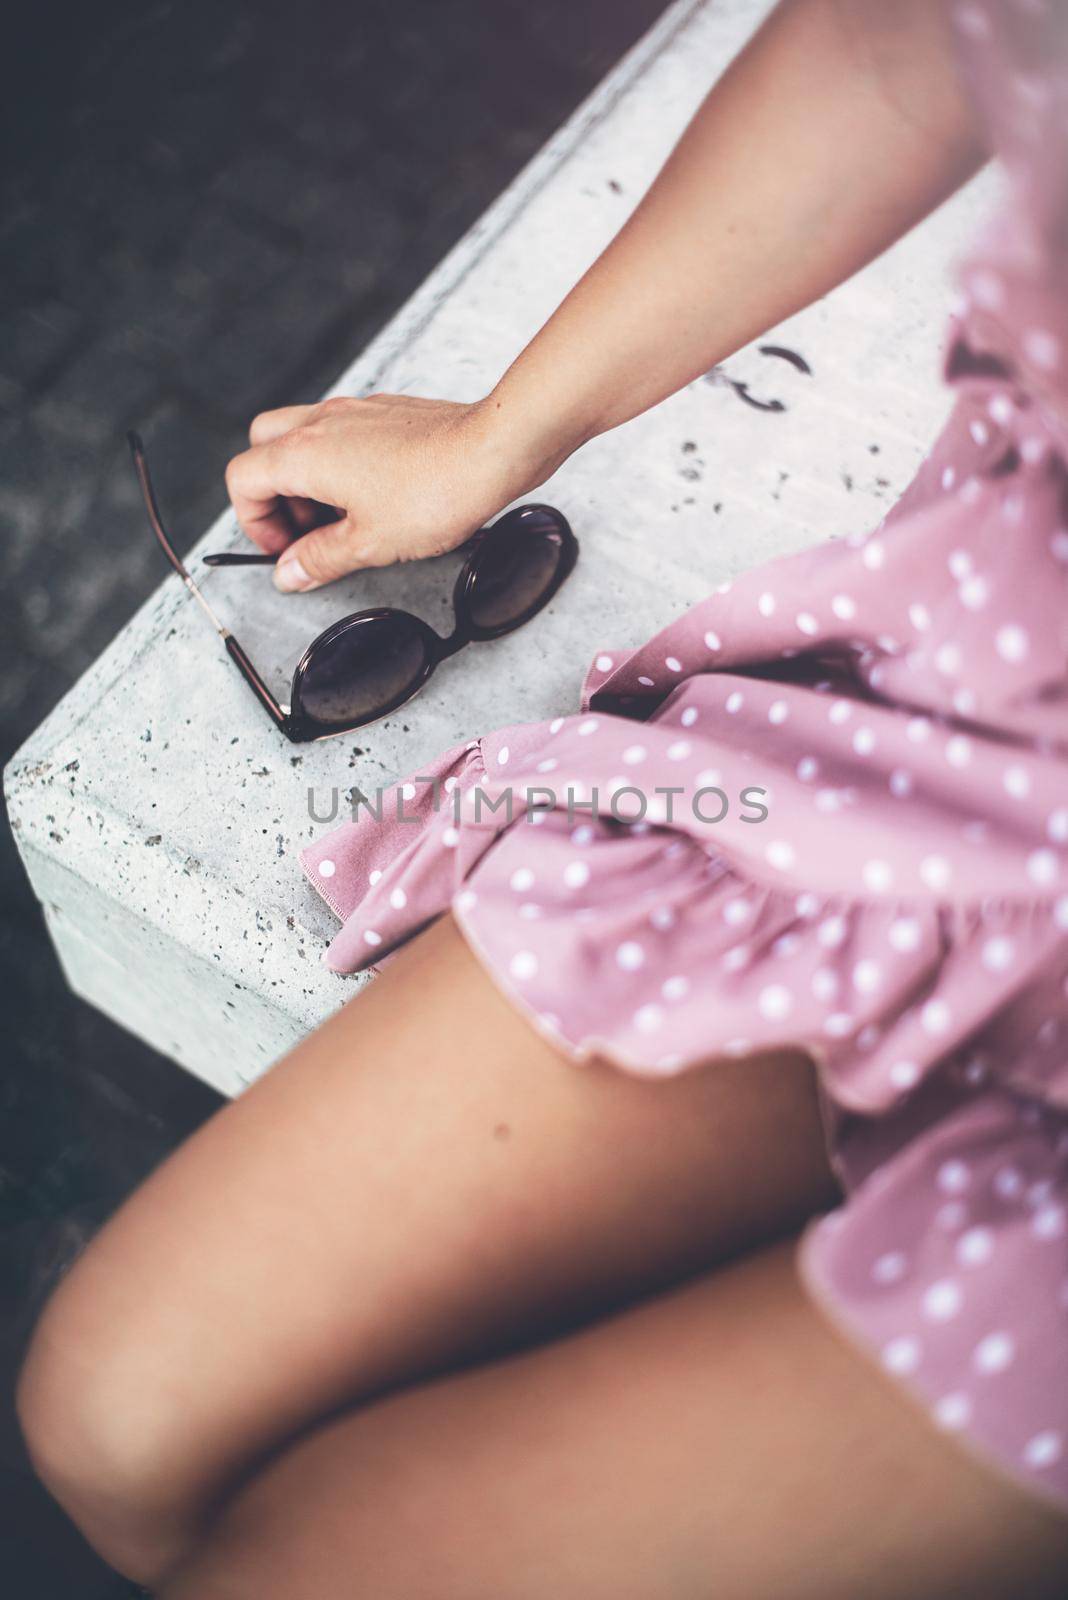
159 813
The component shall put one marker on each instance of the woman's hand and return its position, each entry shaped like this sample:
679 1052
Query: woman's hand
730 240
363 483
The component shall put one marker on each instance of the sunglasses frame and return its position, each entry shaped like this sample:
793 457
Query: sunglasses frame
298 726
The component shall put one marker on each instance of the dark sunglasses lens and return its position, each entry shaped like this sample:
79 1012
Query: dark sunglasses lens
514 568
366 668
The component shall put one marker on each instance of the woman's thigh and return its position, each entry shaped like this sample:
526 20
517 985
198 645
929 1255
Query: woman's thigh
719 1442
422 1181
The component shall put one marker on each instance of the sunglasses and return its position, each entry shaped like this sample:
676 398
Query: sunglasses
367 664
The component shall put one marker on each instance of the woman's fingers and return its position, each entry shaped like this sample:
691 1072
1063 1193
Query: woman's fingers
260 482
273 488
272 424
294 514
306 514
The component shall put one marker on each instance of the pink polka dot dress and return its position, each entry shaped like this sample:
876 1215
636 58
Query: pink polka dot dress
827 808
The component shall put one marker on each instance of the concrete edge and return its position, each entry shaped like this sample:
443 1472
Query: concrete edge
39 864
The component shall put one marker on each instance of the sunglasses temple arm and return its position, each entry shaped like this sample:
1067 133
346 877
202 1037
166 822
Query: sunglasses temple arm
233 649
255 683
239 558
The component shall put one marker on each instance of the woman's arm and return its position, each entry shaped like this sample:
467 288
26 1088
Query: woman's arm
838 127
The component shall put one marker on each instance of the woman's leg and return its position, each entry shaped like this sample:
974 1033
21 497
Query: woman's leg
423 1181
717 1443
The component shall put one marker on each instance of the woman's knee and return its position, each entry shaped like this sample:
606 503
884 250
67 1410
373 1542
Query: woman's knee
104 1429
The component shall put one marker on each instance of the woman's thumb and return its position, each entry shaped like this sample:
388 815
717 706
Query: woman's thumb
317 558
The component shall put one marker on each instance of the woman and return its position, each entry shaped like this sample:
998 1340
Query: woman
491 1287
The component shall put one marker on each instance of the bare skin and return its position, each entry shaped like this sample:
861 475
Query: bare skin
422 1185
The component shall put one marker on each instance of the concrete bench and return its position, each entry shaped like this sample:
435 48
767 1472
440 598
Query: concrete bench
158 812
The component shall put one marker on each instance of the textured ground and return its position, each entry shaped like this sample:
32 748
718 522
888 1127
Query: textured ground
208 210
